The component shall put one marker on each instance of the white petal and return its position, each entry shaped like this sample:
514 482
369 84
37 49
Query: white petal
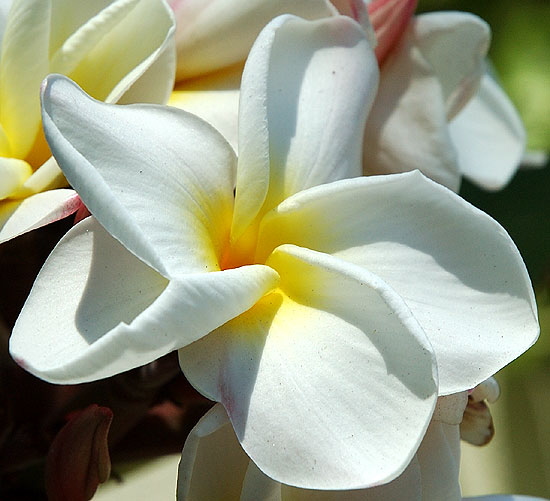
96 310
158 179
213 464
439 459
318 375
407 126
20 216
456 268
450 408
214 467
455 45
24 63
301 118
489 137
407 486
214 98
217 34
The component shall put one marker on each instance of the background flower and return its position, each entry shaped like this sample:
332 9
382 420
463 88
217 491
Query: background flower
118 51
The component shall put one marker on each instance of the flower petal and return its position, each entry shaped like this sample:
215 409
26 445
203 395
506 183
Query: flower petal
455 44
456 268
202 460
217 34
389 19
19 216
169 204
407 126
24 63
318 375
439 459
124 38
450 408
214 98
489 137
96 310
13 173
301 119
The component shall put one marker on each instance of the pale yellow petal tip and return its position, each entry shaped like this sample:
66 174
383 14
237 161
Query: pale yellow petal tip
13 174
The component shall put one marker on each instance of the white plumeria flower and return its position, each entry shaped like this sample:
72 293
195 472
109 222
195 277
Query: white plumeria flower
121 50
311 305
438 109
213 40
214 466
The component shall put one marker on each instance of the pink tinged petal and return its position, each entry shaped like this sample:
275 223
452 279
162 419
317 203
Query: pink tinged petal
20 216
455 267
489 137
455 44
78 459
24 63
389 19
217 34
96 310
301 119
407 126
213 464
169 204
439 460
318 375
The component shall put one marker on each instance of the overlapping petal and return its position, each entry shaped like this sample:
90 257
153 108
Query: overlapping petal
111 312
333 353
118 48
301 117
13 173
432 475
188 172
407 126
112 42
389 19
24 63
20 216
455 45
425 81
489 137
217 34
456 268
